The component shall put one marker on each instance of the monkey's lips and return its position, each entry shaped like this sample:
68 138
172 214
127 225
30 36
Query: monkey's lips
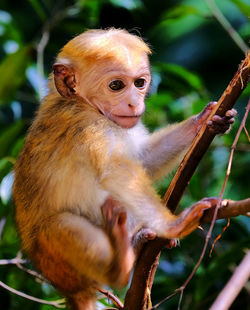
125 121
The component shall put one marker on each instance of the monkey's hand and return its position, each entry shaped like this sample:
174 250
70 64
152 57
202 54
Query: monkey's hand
218 124
115 220
190 218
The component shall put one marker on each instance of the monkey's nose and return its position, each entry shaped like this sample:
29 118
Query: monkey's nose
132 105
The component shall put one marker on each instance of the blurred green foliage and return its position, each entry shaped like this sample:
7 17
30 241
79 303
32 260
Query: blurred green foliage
193 61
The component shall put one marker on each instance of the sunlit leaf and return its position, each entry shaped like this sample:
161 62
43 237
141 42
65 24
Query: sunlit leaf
180 11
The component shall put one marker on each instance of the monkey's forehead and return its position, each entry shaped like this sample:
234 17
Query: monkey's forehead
105 44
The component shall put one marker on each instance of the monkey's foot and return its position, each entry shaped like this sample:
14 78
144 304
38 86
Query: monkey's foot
189 219
141 237
115 220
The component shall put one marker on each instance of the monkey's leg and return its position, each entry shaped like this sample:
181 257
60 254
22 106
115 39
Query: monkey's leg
76 256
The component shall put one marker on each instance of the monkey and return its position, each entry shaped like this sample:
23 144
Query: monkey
83 190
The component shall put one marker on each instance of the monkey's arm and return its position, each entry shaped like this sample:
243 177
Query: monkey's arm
165 149
127 182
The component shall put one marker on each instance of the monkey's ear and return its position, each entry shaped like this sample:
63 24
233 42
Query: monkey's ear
65 81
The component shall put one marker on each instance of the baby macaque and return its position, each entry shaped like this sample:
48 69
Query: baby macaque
83 182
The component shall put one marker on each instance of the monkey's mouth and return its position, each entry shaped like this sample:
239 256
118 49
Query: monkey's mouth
125 121
127 116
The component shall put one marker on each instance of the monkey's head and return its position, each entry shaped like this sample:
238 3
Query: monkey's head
110 70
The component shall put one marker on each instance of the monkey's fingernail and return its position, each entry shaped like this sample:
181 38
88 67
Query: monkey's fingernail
231 113
201 228
216 118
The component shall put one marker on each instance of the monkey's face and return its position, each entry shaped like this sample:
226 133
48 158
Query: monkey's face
120 88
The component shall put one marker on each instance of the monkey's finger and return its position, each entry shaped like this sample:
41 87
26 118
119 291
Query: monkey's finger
219 129
212 200
221 120
231 113
220 124
172 243
207 110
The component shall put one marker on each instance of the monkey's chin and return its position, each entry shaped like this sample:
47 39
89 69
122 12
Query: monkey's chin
125 121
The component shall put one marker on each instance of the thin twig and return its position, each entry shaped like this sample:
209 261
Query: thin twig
57 303
227 26
31 272
56 15
112 297
13 261
2 223
18 261
28 270
165 299
219 236
248 137
40 61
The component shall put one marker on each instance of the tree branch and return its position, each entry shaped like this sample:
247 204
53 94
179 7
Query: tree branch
234 285
229 208
137 295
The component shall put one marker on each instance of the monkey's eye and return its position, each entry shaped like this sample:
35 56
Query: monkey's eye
116 85
140 83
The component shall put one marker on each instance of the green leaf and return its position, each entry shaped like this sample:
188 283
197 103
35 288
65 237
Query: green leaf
180 11
6 164
17 147
39 9
174 28
13 72
243 6
190 78
3 163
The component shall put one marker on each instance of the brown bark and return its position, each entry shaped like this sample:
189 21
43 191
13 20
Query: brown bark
228 209
137 296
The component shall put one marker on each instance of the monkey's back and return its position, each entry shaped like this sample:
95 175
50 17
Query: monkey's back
53 172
